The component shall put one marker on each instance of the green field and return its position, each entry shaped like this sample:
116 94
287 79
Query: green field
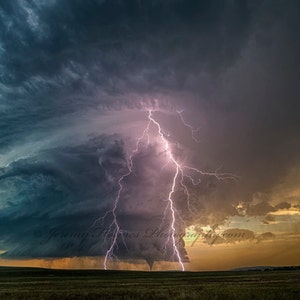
27 283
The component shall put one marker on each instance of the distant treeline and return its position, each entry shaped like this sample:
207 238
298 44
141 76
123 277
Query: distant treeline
269 268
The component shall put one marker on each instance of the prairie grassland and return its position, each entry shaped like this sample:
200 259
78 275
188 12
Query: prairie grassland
26 283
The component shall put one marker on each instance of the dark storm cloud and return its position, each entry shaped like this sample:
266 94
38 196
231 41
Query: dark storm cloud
233 65
264 207
119 45
52 192
58 203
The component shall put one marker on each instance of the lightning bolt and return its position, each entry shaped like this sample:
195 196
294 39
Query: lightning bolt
170 200
191 128
182 173
114 223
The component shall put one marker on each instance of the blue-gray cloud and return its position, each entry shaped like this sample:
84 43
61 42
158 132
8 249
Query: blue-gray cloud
68 69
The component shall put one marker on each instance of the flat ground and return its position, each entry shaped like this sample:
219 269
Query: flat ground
27 283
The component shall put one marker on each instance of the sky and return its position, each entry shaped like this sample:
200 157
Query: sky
149 134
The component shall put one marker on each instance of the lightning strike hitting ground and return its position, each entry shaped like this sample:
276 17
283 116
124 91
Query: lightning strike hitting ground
181 172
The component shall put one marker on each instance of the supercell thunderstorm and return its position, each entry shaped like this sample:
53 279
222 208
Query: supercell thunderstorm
115 117
183 175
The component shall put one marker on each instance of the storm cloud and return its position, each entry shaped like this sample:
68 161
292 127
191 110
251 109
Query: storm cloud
76 81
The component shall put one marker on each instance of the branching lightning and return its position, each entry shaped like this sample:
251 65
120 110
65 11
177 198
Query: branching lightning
191 128
182 173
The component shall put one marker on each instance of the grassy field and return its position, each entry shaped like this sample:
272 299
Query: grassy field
26 283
